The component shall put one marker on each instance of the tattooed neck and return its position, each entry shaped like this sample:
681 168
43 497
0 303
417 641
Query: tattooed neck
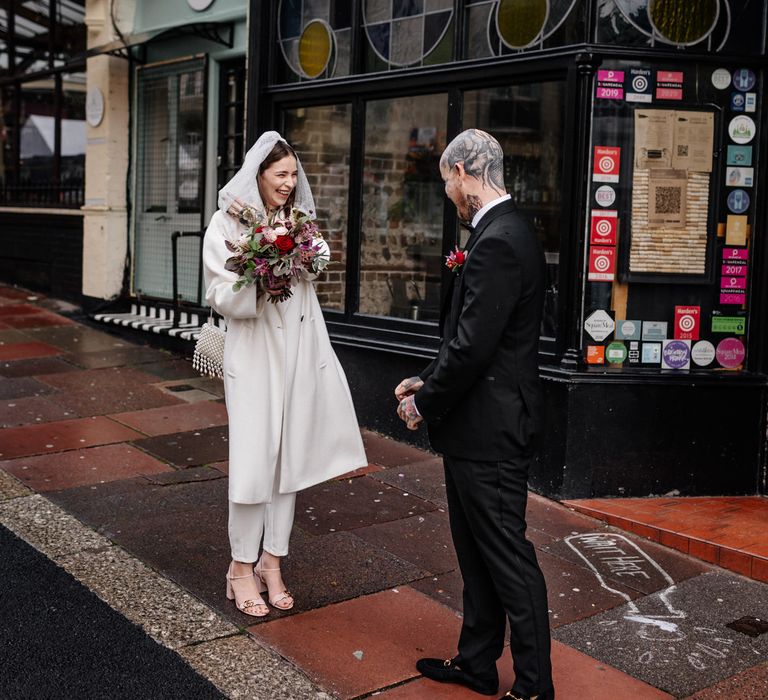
474 205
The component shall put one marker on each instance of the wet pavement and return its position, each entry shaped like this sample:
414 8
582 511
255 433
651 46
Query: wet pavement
113 466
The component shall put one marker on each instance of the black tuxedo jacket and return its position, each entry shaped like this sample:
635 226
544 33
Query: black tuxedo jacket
481 397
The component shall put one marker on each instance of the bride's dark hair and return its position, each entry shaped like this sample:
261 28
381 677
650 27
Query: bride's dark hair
280 150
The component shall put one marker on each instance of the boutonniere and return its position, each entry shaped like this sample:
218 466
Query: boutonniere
455 259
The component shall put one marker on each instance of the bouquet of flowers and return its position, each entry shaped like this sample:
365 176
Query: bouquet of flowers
275 253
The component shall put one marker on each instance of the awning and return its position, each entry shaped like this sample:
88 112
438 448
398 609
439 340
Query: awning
217 32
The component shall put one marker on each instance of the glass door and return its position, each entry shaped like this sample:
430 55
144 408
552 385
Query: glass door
170 169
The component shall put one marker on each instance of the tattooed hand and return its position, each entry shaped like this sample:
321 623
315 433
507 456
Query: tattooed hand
408 413
408 387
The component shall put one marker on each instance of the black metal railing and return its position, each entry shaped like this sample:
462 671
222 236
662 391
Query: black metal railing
43 194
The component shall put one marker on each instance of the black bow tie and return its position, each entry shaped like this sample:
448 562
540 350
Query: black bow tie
467 226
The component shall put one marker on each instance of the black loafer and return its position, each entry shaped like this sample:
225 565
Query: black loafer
447 671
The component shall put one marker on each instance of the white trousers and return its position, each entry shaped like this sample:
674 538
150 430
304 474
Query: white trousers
249 522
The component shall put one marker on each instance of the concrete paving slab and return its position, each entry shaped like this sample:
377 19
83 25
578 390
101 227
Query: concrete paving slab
751 684
190 448
175 419
79 339
107 380
19 387
361 645
27 410
677 639
11 487
37 366
93 401
115 358
391 453
170 370
26 351
426 479
346 505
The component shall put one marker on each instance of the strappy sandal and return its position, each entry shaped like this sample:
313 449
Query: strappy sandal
244 605
277 601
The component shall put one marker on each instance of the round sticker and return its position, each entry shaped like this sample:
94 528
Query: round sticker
737 102
640 83
94 106
741 129
616 353
738 201
605 195
676 354
721 79
703 353
730 353
744 79
628 328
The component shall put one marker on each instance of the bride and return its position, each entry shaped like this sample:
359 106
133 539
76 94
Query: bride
292 423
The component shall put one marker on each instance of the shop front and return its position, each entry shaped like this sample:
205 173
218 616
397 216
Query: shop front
633 142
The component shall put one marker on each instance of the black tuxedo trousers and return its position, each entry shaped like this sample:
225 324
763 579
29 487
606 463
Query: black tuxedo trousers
502 578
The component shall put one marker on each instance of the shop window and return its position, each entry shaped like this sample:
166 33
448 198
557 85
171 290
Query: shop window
407 33
315 39
709 25
503 27
73 139
231 120
528 122
671 217
402 209
321 137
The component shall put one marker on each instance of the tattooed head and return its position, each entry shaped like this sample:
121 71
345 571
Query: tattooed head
472 167
481 156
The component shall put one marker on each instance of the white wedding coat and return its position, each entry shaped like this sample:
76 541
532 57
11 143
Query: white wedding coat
287 396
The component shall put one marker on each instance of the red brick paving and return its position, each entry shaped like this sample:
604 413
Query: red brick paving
751 684
25 351
364 644
92 465
175 419
727 531
62 435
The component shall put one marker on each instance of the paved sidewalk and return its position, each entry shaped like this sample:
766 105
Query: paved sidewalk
113 465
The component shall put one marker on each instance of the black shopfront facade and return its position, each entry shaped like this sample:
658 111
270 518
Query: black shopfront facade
633 140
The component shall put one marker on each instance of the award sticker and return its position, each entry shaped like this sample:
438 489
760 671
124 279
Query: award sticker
739 155
744 79
595 354
738 100
739 177
703 353
606 164
599 324
651 353
606 195
676 354
603 227
640 88
687 322
721 79
730 353
741 129
628 330
750 102
738 201
654 330
616 353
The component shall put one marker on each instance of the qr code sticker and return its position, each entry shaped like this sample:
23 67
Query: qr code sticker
668 200
682 150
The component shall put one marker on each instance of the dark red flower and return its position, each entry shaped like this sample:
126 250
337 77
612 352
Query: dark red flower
285 244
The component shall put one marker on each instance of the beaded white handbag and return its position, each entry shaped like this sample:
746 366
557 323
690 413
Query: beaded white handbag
208 357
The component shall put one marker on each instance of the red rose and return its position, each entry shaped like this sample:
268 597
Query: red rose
285 244
460 257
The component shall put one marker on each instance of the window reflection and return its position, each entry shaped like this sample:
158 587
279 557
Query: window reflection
528 122
402 218
321 137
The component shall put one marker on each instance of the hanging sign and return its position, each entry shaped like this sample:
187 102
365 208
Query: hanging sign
599 324
606 164
687 320
640 87
610 85
669 85
603 227
602 264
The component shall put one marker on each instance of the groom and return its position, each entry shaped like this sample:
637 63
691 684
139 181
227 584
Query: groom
481 401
